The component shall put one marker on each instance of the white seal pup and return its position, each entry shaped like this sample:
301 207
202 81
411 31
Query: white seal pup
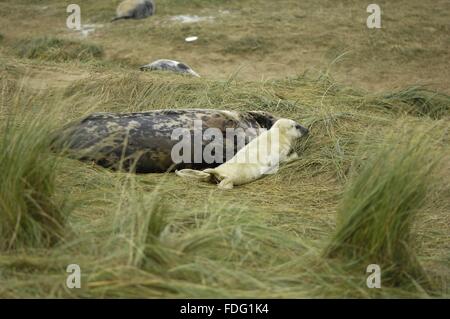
259 157
169 65
135 9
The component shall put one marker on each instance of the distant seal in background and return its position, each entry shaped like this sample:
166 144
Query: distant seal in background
142 141
259 157
169 65
135 9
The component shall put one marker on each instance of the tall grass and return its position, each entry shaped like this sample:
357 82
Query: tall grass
56 49
30 214
155 235
418 101
379 208
141 222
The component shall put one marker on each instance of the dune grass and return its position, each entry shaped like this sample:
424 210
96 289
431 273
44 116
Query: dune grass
285 38
31 214
418 101
58 50
378 210
372 184
159 236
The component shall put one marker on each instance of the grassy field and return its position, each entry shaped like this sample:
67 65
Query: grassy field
372 185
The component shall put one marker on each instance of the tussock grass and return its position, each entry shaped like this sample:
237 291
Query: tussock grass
418 101
57 50
141 222
31 215
142 92
379 208
157 235
358 192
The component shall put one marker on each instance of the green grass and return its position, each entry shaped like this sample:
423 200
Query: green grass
379 208
419 101
31 215
372 184
248 44
159 236
58 50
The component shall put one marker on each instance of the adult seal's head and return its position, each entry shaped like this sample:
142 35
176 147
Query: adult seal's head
169 65
143 141
135 9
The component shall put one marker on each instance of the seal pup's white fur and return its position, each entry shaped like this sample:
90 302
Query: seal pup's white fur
169 65
256 158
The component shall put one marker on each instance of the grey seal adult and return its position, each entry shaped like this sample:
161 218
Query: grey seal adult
135 9
169 65
143 142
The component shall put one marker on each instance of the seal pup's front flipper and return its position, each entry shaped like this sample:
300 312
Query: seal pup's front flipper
195 174
226 183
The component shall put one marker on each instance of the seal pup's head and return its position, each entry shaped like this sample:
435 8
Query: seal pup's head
169 65
290 128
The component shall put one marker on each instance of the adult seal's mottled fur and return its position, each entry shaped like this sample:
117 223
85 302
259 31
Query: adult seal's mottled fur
169 65
143 141
135 9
